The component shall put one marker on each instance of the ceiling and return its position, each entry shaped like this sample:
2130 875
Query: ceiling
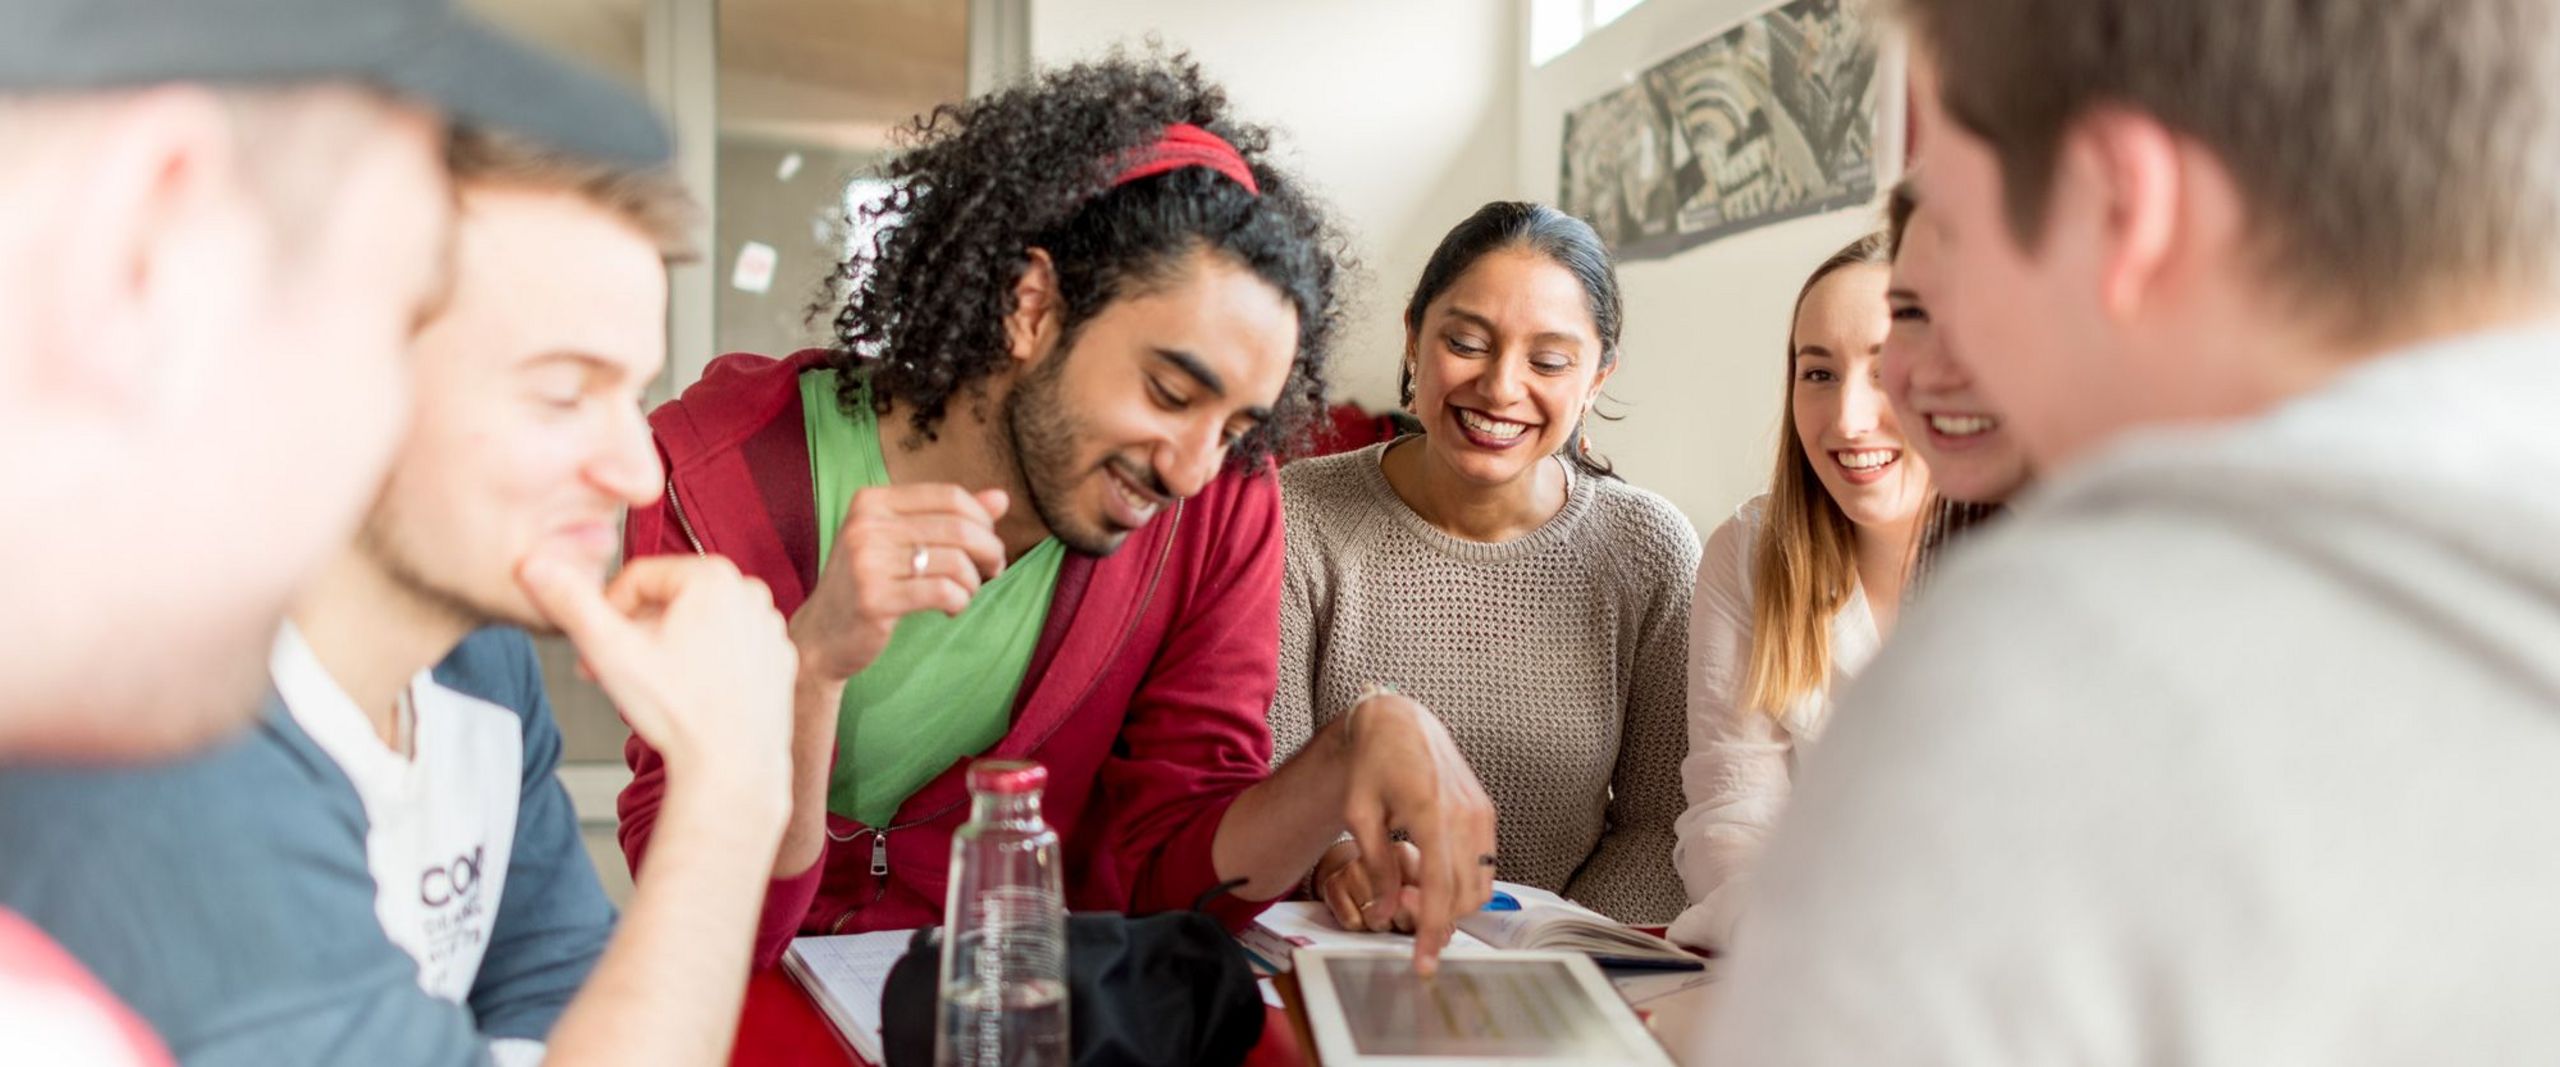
832 72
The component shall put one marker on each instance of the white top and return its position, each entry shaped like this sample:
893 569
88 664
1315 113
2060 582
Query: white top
1741 760
443 821
2231 747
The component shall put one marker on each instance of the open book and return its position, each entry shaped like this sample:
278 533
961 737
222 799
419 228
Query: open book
1540 920
1290 925
846 976
1544 920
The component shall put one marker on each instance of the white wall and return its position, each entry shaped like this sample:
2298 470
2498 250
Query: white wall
1702 368
1400 112
1407 114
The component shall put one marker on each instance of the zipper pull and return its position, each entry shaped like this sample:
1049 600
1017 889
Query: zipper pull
880 854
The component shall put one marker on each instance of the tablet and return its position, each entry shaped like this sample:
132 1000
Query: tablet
1367 1008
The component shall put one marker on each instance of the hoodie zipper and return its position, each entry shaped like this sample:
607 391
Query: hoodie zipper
880 837
682 523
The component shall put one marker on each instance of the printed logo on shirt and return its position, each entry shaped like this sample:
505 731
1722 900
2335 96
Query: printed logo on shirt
453 925
441 822
439 886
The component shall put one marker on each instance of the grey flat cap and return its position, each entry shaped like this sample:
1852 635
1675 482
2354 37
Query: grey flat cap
424 49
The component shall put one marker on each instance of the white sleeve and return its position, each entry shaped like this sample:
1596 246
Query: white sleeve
1735 775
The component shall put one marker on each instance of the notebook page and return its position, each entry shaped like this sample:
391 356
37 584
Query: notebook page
847 975
1290 925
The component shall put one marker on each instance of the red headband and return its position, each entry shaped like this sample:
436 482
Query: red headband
1186 145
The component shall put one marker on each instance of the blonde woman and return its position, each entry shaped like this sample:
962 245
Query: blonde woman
1794 592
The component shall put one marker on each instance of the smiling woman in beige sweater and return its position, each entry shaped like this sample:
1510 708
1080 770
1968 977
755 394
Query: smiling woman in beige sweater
1495 571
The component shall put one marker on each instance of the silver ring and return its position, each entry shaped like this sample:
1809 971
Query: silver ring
917 563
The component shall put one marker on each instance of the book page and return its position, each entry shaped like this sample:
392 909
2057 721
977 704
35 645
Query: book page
846 976
1290 925
1531 896
1501 929
1549 921
1576 930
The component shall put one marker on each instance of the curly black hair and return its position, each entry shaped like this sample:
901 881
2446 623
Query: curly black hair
984 181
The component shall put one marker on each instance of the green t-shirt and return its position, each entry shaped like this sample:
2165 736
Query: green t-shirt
943 688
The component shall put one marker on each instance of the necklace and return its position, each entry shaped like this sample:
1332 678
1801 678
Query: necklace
404 724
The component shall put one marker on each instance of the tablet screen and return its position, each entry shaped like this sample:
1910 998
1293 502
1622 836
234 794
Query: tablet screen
1487 1008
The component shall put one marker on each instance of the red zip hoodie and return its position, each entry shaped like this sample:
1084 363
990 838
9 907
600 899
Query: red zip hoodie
1147 695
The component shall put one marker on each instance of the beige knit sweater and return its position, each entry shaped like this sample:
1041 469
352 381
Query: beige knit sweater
1558 660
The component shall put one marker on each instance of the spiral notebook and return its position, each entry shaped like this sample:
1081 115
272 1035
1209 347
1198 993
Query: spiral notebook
846 976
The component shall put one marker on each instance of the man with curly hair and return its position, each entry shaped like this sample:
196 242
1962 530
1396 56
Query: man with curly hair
1022 509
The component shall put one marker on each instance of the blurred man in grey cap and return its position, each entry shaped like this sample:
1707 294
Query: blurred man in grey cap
225 218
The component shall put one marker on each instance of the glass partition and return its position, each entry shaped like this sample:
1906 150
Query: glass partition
780 108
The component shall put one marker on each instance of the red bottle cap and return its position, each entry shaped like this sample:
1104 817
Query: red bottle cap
1007 777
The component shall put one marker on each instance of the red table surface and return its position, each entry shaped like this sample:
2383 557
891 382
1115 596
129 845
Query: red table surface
781 1026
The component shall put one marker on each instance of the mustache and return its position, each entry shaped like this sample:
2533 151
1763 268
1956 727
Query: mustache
1142 476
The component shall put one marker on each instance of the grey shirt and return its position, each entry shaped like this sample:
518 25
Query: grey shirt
1557 659
2233 747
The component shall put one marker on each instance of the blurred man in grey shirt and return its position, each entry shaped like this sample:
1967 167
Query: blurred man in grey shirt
2237 744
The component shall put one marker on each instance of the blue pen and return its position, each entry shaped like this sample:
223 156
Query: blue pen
1502 902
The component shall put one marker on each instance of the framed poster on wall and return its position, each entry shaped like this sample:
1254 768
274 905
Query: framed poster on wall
1784 115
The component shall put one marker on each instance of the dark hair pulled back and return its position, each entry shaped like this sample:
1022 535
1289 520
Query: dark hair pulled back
1564 240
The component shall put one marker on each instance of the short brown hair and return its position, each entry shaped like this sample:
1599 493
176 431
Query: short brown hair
2393 153
1899 205
650 200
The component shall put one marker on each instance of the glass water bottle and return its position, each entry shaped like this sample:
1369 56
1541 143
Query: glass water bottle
1004 927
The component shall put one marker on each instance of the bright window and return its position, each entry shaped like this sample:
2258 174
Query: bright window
1604 12
1555 26
858 231
861 194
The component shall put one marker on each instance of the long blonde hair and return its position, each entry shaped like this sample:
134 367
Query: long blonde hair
1805 564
